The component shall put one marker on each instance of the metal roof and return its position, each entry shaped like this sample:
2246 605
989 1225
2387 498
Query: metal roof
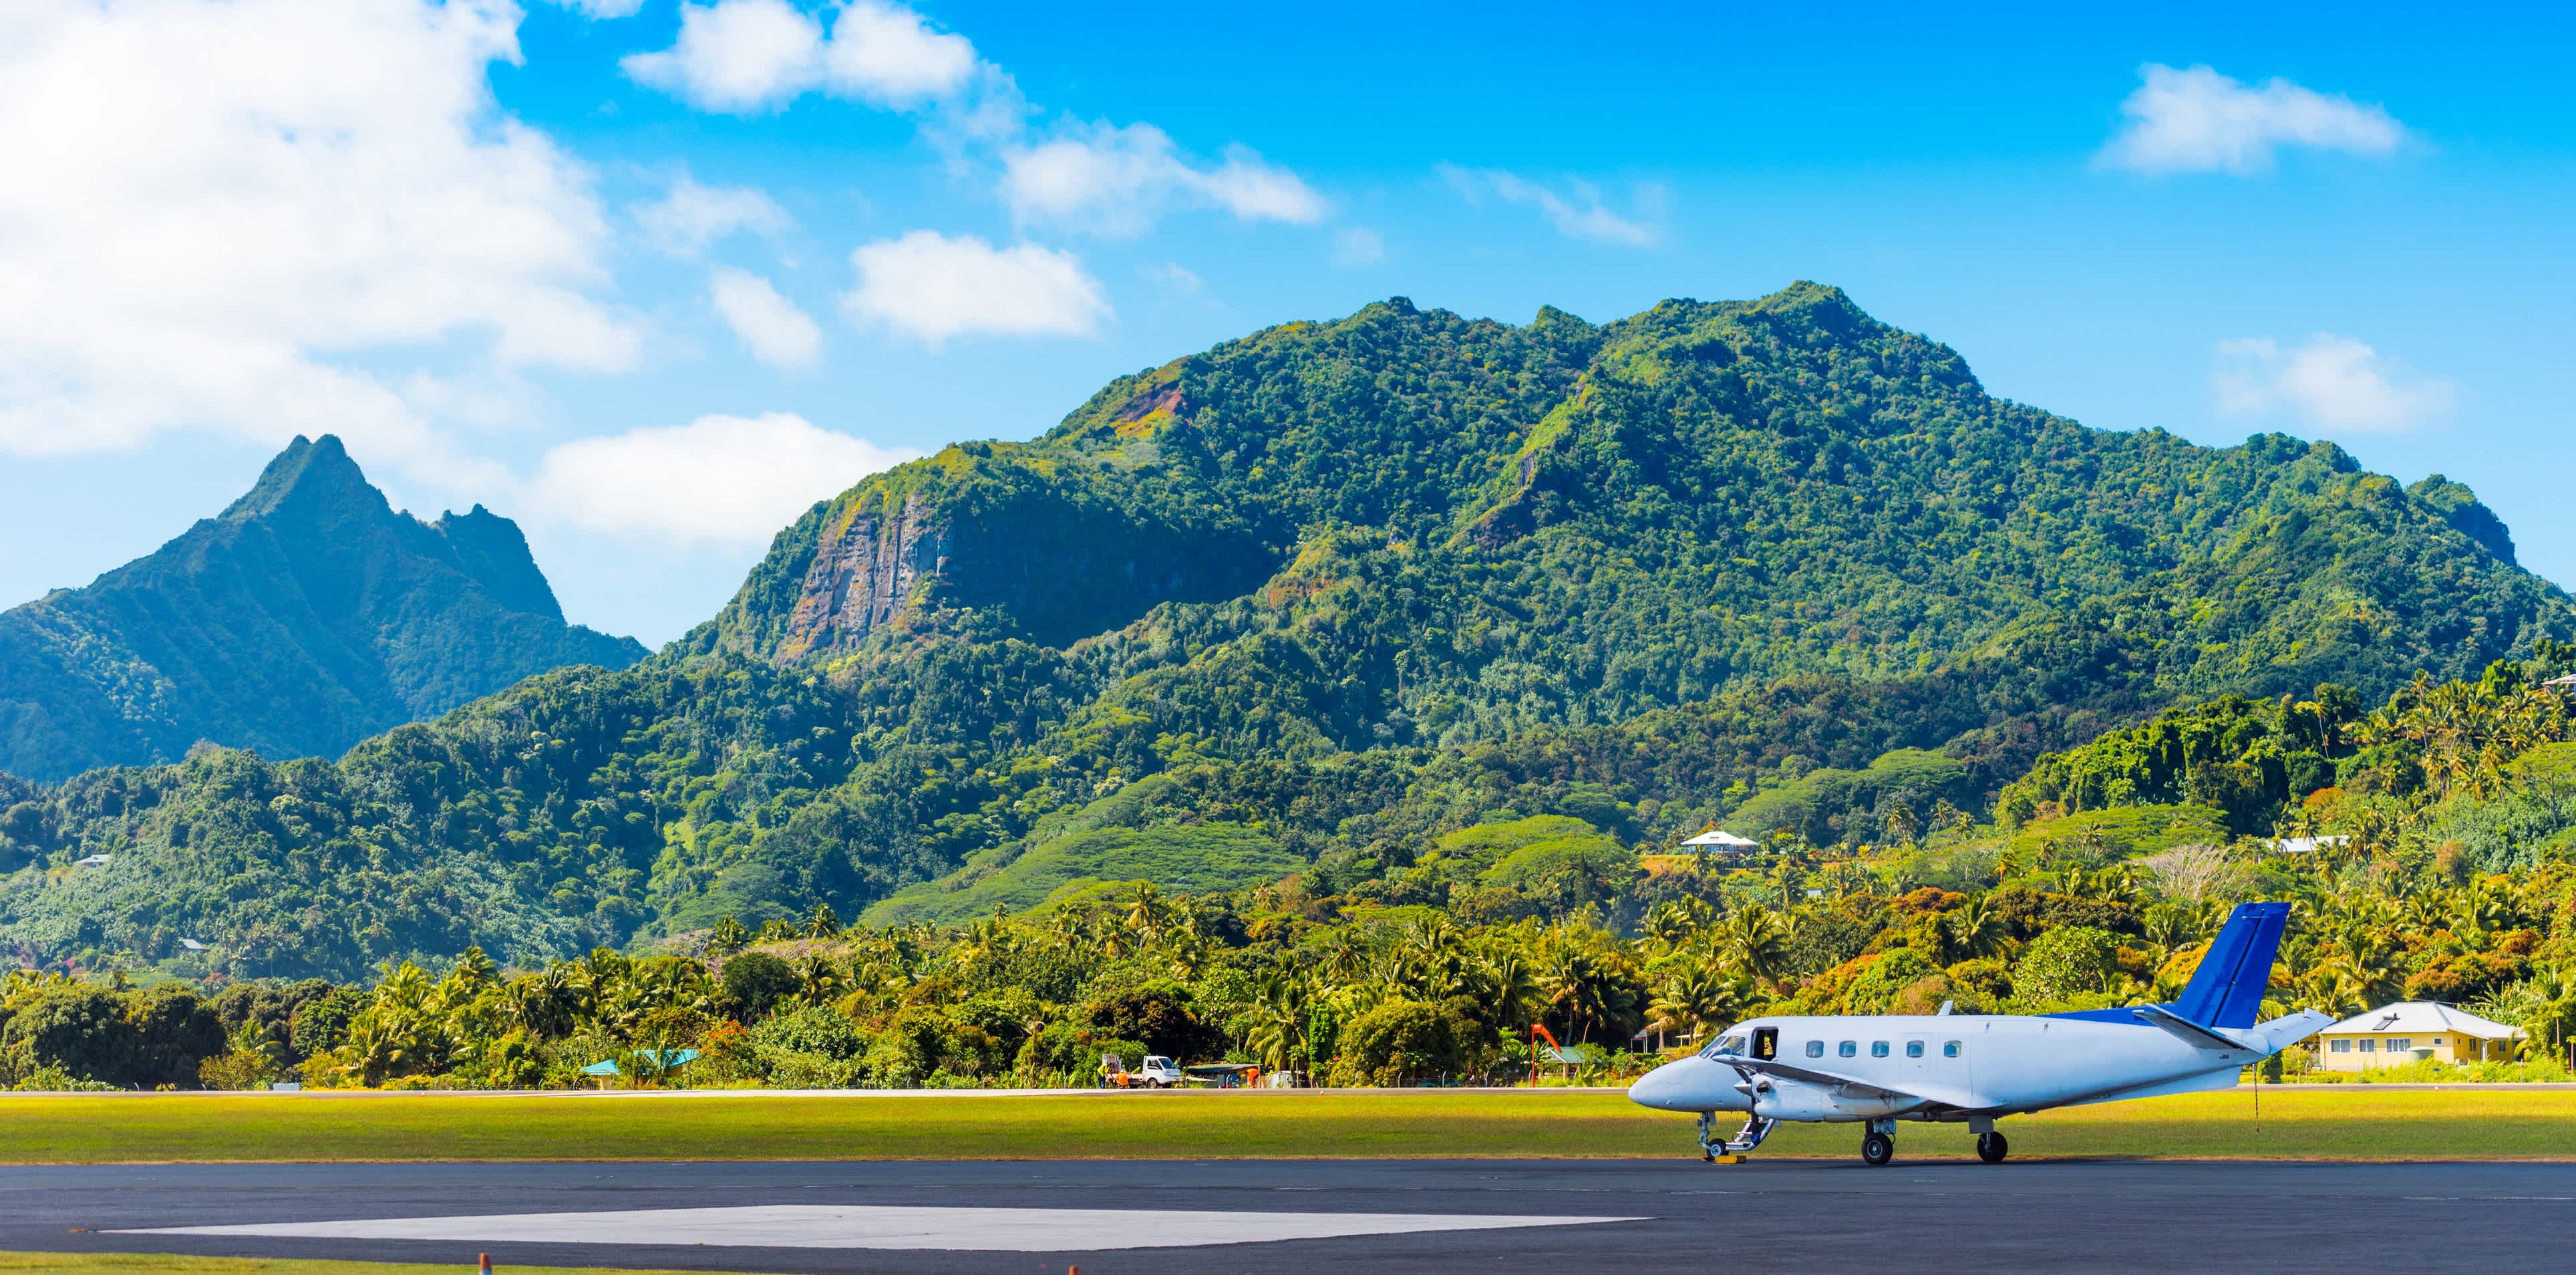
1720 837
2425 1017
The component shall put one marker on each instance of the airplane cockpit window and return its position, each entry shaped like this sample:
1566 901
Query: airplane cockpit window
1878 1049
1815 1049
1949 1049
1727 1045
1847 1049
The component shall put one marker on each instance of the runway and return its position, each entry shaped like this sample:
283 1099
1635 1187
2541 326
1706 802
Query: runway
1302 1215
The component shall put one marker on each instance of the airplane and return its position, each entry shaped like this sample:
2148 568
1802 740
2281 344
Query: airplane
1978 1068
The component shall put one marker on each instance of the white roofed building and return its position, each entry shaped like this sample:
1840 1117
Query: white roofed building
2409 1031
1716 841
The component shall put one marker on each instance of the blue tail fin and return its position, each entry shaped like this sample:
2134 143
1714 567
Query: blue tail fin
2227 989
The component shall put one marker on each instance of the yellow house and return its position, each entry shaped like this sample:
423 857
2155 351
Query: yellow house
2413 1031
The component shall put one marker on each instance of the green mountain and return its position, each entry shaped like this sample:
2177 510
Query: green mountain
1329 595
304 618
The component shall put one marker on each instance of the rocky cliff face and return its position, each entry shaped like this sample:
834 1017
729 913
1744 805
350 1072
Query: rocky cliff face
305 617
865 569
1051 551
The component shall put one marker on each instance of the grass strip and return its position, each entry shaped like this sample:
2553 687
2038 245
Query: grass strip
176 1264
2295 1124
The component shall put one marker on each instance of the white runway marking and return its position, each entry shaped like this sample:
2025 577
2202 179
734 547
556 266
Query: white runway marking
890 1227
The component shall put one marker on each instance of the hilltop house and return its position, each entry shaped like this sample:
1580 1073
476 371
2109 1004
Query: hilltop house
2411 1031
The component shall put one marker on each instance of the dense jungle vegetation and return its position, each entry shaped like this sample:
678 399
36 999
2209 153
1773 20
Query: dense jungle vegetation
2448 873
1404 620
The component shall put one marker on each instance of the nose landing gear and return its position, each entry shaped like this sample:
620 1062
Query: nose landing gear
1755 1129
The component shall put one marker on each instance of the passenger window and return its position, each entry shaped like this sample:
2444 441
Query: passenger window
1847 1049
1815 1049
1949 1049
1914 1049
1878 1049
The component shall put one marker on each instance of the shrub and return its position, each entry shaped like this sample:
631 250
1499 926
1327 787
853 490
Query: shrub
1161 1015
1396 1043
754 981
2062 964
1876 990
811 1030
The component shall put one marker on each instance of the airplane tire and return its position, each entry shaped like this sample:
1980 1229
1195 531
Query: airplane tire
1991 1148
1877 1149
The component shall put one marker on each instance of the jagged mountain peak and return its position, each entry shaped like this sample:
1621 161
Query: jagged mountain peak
314 475
307 616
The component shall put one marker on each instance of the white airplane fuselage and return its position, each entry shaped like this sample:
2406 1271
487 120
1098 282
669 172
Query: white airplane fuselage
1933 1065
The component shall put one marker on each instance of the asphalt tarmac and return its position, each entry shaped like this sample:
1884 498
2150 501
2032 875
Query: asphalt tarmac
1816 1215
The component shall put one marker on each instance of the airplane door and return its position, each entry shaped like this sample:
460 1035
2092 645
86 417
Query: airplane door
1766 1042
1919 1051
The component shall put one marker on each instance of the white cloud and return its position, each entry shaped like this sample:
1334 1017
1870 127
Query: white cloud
604 8
1358 246
1578 215
208 205
747 57
744 57
719 479
691 217
933 287
2199 121
737 56
1119 180
887 54
2332 382
776 331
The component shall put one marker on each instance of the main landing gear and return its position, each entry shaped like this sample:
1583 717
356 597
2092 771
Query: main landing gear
1878 1147
1991 1147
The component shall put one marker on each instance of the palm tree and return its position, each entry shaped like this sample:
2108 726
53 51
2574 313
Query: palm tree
474 971
820 980
1752 940
1975 928
1901 826
727 938
1276 1035
1513 988
1698 999
823 922
1149 913
1573 988
1669 922
543 1004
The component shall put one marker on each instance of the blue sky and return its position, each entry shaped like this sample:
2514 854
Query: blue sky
650 282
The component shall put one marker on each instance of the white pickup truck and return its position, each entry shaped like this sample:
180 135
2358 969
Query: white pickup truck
1157 1072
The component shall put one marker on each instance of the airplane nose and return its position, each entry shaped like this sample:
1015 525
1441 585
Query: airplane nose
1666 1088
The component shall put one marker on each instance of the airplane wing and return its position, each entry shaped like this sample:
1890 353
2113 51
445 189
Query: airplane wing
1791 1071
2189 1032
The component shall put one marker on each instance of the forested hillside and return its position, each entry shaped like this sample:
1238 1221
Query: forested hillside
1325 597
304 618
